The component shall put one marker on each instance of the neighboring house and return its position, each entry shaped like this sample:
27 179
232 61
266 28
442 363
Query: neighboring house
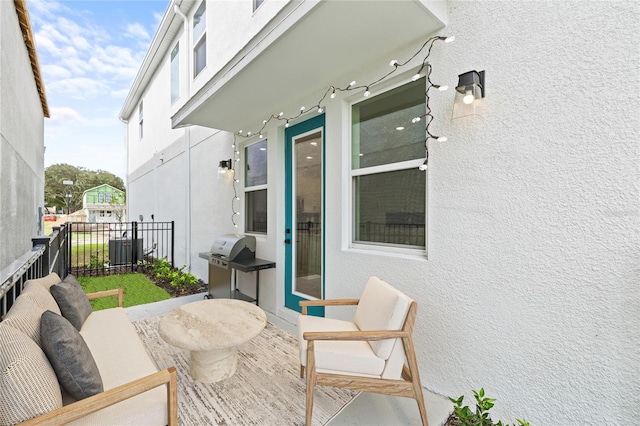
23 106
104 203
520 241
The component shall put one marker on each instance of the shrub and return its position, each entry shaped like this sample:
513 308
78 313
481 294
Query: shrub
162 269
464 416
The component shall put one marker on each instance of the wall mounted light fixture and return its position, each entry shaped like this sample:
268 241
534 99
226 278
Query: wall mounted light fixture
225 165
470 93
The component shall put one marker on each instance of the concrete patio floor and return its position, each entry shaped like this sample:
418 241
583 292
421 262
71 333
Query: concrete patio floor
367 409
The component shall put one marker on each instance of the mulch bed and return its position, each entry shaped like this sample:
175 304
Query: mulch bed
164 284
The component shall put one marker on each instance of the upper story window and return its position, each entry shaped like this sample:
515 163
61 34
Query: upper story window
389 191
257 3
200 39
175 73
101 197
255 187
140 119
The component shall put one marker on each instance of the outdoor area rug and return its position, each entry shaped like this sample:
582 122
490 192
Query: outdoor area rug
265 390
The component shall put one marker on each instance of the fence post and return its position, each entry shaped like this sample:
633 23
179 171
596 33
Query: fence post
173 244
134 245
44 265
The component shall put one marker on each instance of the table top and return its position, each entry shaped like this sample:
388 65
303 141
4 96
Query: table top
212 324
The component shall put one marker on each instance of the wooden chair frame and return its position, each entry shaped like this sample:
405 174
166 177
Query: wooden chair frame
84 407
408 387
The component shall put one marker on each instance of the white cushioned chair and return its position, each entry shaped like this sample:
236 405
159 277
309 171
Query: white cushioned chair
366 354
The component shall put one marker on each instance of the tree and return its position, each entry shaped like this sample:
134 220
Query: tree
83 179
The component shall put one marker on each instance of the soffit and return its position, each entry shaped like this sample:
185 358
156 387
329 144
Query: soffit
311 45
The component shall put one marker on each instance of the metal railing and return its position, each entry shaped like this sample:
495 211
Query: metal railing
47 255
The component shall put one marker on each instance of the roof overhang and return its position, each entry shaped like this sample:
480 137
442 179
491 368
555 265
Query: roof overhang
307 47
29 41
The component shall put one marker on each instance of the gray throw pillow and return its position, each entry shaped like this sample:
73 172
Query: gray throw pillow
72 301
69 356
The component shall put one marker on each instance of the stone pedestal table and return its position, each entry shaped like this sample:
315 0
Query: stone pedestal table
212 330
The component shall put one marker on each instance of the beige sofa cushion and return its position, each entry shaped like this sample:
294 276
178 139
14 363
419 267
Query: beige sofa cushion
121 357
28 384
24 315
41 296
47 281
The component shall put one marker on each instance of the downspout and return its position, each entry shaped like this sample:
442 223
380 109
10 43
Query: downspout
187 149
126 144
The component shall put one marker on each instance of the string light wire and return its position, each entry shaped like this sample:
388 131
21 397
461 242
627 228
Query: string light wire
331 93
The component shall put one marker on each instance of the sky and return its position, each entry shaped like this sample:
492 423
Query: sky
89 54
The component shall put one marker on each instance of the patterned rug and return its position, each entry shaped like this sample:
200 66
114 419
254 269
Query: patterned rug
265 390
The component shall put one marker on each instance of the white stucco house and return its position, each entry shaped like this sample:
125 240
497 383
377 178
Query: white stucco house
521 239
23 107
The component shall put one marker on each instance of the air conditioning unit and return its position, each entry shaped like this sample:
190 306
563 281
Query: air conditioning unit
121 251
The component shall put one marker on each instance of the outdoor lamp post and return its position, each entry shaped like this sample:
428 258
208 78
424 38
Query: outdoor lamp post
67 189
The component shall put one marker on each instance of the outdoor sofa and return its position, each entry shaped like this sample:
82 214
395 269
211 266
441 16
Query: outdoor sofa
46 372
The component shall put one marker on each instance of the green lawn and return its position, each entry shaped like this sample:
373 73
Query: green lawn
137 290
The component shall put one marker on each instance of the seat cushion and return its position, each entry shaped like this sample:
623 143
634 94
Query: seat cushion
120 363
352 357
72 300
381 307
28 384
24 315
70 357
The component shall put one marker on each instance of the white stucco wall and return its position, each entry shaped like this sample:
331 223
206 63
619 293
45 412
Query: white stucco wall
530 286
21 142
530 289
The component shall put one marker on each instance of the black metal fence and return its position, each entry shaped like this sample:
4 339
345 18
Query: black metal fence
114 247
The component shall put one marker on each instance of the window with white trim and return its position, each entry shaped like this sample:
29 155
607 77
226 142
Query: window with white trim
255 187
175 73
200 39
389 191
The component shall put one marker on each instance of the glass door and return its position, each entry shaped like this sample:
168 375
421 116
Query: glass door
304 233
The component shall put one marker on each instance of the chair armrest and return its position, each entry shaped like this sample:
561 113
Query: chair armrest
114 292
372 335
110 397
330 302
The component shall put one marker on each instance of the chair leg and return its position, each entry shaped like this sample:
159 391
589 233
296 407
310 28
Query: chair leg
311 382
415 378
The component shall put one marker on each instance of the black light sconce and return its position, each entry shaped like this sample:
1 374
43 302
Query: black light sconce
225 165
470 93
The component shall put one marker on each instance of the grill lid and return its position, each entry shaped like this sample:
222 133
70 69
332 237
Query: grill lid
233 247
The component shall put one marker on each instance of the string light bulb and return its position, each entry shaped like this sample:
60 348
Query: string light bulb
449 39
424 166
441 138
416 77
320 110
393 63
366 92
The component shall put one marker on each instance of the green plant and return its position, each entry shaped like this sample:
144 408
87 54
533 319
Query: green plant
464 416
162 269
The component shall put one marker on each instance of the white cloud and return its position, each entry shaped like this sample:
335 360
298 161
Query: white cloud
55 72
79 88
65 115
137 31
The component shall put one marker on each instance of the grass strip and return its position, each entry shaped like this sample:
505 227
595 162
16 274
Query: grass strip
138 290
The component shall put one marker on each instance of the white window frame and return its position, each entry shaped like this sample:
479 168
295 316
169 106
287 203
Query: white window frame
254 188
257 4
200 40
174 73
420 252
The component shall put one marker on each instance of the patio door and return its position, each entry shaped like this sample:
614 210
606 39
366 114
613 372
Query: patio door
304 221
